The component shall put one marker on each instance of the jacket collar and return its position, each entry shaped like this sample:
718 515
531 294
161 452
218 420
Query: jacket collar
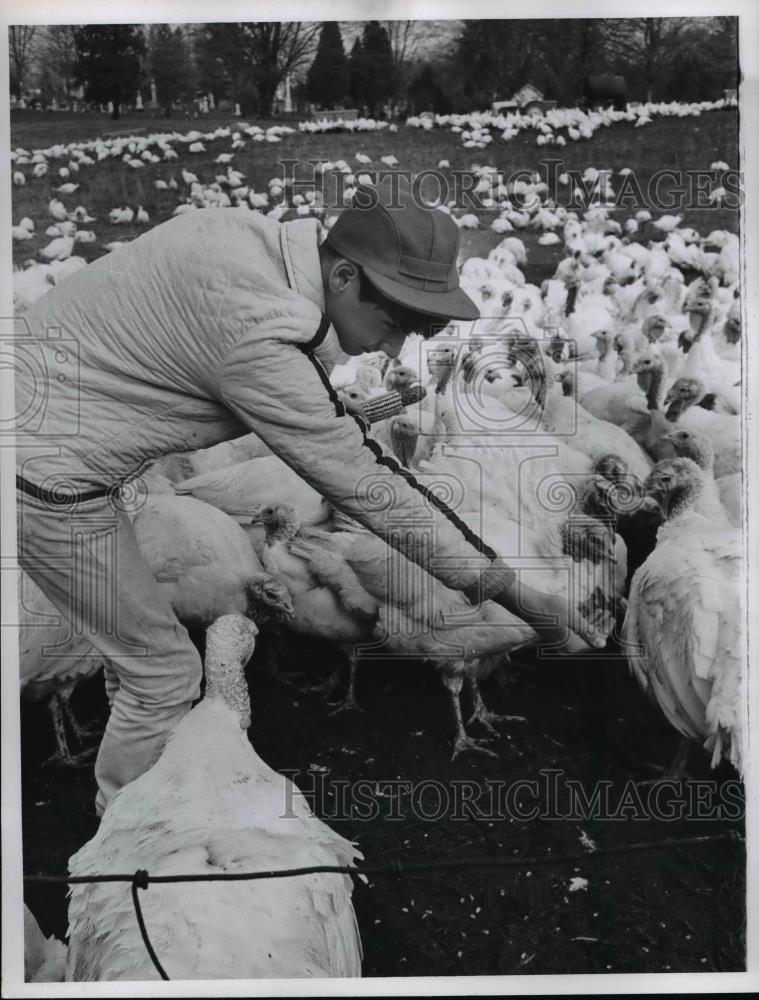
300 251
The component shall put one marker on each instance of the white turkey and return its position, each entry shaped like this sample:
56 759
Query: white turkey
616 497
185 465
328 599
635 405
684 411
562 417
346 583
210 805
466 645
682 630
698 446
578 559
727 341
244 489
204 562
44 958
703 362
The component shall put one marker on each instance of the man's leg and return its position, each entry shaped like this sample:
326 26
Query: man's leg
88 563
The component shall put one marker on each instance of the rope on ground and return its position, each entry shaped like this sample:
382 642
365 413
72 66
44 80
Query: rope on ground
141 879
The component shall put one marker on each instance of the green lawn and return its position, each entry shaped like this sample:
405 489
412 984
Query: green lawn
680 144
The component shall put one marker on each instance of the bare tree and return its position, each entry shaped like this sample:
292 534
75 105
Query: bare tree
20 50
58 51
649 43
254 55
660 38
403 36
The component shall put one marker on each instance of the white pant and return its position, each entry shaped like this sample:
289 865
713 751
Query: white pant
85 558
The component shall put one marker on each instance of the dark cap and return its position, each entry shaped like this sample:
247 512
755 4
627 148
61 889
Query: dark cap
407 250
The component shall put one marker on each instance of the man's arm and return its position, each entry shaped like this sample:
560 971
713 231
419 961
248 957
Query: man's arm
282 393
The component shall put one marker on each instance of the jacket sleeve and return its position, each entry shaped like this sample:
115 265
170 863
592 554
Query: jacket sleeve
281 391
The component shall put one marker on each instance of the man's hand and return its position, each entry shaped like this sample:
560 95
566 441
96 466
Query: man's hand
559 626
354 406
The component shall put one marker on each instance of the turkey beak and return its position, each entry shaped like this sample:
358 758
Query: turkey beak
648 505
657 493
674 409
275 595
285 604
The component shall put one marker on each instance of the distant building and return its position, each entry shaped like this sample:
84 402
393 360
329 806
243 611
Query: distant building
526 94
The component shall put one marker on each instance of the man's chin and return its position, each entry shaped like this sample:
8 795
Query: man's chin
356 350
352 350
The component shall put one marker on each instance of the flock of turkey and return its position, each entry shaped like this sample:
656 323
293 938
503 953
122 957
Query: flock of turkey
558 126
589 430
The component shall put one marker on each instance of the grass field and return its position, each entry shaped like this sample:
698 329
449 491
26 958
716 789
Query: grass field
668 910
678 144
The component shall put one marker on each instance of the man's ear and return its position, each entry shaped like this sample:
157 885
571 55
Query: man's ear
341 274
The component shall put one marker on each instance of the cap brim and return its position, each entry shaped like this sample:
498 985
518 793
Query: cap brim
455 304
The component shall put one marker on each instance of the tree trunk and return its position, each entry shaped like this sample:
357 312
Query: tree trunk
266 94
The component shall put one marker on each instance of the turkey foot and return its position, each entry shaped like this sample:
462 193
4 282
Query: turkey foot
463 743
482 713
677 770
349 703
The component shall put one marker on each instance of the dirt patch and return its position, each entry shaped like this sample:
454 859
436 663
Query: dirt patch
678 910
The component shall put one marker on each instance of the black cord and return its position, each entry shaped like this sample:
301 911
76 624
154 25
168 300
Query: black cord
140 880
396 866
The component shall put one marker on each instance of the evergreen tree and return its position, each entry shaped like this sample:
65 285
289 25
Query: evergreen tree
170 65
378 67
494 59
328 77
108 61
356 74
223 54
426 94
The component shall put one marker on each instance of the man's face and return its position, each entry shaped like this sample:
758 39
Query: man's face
362 327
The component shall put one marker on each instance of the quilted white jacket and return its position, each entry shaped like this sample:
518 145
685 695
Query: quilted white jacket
204 327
